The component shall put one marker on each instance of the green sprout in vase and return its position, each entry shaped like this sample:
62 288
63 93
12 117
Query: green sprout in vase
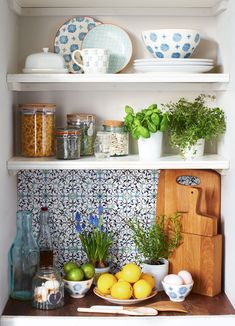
95 240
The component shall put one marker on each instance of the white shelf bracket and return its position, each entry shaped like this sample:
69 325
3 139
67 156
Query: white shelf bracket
220 7
14 6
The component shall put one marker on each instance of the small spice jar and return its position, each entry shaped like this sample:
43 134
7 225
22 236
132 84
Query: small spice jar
37 129
48 289
102 144
119 138
85 123
67 144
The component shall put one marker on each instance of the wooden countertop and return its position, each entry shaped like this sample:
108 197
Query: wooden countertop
195 304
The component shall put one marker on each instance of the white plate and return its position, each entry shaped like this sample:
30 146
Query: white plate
174 69
45 71
147 64
174 60
122 302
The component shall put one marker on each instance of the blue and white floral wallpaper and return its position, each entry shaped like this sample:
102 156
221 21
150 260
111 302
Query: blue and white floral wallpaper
123 194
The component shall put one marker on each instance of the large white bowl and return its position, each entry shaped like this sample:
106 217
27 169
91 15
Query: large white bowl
78 289
171 43
177 293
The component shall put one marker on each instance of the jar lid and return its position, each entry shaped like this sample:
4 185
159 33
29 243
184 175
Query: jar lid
80 116
65 131
113 123
38 106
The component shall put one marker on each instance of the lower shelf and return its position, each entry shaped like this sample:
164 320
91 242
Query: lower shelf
196 305
133 162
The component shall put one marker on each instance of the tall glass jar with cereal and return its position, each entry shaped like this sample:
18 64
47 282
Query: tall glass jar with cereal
37 129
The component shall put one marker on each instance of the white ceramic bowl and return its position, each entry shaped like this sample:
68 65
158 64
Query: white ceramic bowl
177 293
171 43
78 289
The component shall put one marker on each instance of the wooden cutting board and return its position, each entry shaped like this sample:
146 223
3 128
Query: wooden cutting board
201 251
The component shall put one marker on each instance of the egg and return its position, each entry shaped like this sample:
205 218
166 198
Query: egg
186 276
173 279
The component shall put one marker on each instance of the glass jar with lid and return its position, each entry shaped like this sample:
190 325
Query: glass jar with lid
37 129
119 137
67 143
85 123
48 289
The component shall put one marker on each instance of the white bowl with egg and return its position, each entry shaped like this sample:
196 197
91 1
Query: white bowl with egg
177 287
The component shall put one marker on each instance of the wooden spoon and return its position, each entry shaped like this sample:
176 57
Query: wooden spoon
137 311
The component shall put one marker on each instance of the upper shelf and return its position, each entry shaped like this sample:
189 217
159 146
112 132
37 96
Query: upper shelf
48 82
121 7
215 162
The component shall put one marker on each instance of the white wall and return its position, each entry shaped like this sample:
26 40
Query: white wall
8 60
225 32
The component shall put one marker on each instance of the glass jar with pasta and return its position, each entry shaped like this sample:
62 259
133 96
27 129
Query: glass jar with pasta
37 129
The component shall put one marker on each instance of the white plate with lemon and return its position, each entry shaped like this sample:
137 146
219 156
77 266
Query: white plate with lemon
126 287
110 299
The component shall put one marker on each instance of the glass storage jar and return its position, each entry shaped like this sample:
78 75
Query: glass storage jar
85 123
37 129
67 144
119 138
48 289
102 144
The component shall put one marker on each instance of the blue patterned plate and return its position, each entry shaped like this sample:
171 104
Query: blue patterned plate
113 38
70 36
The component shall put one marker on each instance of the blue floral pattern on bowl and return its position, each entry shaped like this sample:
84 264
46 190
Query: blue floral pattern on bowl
70 37
78 289
171 43
177 293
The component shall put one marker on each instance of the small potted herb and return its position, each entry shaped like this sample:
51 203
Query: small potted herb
96 241
193 122
147 126
156 243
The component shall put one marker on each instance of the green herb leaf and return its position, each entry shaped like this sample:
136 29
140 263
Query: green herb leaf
128 110
143 132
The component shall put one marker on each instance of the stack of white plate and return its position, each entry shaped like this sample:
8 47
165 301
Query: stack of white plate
173 65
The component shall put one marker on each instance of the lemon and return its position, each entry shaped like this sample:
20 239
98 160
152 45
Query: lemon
118 275
121 290
142 289
149 278
105 282
131 273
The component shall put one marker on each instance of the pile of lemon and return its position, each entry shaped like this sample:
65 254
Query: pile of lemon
127 283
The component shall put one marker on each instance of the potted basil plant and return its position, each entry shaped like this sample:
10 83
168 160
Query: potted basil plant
193 122
156 243
96 241
147 126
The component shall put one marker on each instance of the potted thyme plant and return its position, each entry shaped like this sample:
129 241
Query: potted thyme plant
147 126
156 243
193 122
96 241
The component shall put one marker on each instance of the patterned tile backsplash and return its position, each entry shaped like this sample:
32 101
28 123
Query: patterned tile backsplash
124 195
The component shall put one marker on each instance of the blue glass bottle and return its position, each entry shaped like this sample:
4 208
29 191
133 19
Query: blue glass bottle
23 258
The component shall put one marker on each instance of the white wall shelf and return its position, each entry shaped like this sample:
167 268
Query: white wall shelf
121 7
131 162
50 82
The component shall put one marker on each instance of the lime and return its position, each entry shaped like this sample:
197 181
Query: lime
70 265
75 274
89 270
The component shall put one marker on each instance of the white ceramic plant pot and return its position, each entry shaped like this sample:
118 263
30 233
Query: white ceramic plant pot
99 271
150 148
158 272
195 151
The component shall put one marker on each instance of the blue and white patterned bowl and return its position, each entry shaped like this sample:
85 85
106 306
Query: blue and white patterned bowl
171 43
78 289
177 293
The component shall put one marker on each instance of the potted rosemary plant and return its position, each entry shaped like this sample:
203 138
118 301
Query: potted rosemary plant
193 122
156 243
147 126
96 241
